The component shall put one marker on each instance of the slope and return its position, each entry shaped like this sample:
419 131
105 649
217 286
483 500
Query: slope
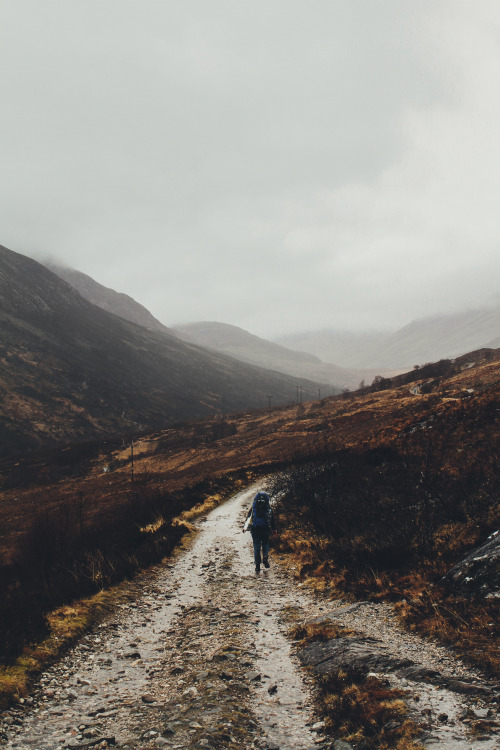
72 371
114 302
423 340
247 347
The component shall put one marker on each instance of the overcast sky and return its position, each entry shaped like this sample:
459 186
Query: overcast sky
276 164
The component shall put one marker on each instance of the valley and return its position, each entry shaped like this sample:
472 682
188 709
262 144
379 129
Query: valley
357 453
128 457
71 371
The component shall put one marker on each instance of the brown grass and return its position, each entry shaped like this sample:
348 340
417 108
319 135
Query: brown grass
317 631
66 625
366 712
472 628
197 464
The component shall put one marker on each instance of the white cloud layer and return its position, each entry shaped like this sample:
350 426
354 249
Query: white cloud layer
279 164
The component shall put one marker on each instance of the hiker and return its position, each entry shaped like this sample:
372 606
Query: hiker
260 516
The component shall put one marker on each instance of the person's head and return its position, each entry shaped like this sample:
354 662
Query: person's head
264 495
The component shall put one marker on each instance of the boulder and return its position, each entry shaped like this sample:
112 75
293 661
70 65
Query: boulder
478 574
351 653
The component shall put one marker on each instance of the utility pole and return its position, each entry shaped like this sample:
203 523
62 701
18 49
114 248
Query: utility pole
269 402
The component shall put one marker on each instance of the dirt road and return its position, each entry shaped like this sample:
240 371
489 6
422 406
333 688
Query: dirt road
201 660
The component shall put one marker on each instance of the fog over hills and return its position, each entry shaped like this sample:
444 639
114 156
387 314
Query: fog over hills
423 340
223 337
247 347
338 359
70 370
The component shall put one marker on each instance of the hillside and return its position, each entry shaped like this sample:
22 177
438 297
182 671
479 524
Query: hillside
421 341
245 346
222 337
114 302
378 493
72 371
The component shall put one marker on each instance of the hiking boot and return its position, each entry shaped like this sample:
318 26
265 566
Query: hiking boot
257 568
266 562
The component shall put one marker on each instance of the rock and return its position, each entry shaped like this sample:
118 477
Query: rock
341 745
93 743
478 574
350 653
481 713
468 688
419 673
253 676
133 654
148 698
191 693
318 726
272 689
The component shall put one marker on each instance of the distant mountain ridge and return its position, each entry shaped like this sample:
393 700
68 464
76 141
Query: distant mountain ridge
245 346
222 337
421 341
72 371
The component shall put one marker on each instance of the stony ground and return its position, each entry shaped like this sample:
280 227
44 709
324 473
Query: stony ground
202 660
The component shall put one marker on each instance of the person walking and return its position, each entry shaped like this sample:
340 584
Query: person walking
261 519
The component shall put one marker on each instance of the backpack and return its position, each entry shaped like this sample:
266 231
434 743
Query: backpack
261 511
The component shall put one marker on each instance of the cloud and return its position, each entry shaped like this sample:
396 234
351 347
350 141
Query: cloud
275 165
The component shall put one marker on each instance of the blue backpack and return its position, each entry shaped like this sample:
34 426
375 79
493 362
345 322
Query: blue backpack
261 511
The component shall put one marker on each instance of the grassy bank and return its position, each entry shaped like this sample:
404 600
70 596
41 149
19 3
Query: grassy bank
387 523
50 599
359 709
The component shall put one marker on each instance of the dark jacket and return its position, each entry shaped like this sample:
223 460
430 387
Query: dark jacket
272 519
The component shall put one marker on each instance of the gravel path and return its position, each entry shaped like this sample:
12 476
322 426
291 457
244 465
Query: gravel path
201 660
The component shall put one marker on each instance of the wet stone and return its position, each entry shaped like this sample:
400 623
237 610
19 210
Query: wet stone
253 676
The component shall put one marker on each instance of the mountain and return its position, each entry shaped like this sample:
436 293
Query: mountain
102 296
221 337
421 341
345 348
245 346
72 371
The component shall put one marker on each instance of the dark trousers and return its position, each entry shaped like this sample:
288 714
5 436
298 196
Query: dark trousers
260 538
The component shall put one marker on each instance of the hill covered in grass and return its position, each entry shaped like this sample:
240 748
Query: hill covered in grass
380 492
73 371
